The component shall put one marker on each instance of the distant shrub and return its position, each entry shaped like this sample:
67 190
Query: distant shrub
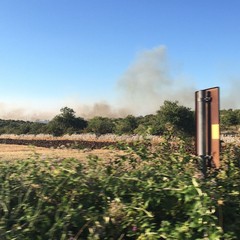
100 125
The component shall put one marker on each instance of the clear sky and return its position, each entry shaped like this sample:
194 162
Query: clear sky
115 55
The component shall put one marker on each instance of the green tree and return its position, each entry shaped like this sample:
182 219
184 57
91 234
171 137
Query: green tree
100 125
66 122
238 116
229 118
179 117
25 128
148 125
126 125
21 127
38 127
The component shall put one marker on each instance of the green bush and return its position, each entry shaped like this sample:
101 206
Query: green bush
100 125
147 193
66 123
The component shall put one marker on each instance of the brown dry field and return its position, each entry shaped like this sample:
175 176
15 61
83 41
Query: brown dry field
14 152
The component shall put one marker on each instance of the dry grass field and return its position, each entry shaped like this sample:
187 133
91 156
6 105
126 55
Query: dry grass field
14 152
85 137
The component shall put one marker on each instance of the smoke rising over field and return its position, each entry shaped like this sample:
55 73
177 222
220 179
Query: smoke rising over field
10 111
230 98
148 82
141 90
101 109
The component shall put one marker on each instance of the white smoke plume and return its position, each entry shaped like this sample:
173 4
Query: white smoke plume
148 82
16 112
229 98
102 108
140 90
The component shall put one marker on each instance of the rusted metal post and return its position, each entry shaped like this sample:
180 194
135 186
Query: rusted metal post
207 127
215 128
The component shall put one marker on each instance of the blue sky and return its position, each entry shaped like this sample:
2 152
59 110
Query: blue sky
79 53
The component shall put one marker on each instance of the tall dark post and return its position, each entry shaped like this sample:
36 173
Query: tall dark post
201 123
202 133
207 127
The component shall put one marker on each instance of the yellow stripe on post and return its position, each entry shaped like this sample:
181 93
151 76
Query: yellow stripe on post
215 131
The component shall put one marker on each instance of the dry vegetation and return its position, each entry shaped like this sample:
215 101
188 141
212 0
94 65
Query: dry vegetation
85 137
79 141
231 139
91 137
14 152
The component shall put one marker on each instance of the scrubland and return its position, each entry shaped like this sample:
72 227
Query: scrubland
135 191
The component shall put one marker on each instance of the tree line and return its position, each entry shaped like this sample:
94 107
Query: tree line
170 117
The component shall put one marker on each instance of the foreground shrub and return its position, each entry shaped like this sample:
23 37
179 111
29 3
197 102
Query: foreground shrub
148 193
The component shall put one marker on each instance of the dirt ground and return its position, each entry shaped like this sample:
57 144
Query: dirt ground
13 152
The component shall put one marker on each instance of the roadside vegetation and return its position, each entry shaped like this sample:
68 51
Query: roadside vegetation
146 193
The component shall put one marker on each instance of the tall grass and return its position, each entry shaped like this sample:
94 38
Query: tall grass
84 137
103 138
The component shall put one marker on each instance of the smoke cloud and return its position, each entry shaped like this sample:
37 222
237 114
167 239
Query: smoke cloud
101 109
11 111
230 95
149 81
140 90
